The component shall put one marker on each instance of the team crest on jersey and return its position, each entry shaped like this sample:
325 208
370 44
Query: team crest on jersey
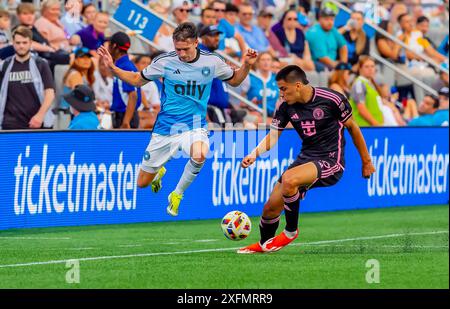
206 71
147 156
318 113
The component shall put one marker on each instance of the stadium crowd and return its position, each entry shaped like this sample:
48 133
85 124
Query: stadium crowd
38 91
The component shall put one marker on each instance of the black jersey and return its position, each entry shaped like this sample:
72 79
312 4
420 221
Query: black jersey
319 123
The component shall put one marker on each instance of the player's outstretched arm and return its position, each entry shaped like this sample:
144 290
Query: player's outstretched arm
265 145
360 144
132 78
241 73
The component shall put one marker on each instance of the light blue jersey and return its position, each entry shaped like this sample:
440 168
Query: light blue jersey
186 89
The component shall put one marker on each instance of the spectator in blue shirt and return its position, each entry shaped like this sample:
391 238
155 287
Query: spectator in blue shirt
253 35
328 47
427 108
72 19
81 100
126 98
443 47
255 93
440 118
224 26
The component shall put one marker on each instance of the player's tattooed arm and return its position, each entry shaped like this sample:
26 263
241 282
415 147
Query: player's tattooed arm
360 144
265 145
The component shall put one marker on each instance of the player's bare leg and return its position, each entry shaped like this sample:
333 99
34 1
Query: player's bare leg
146 178
198 153
269 222
292 180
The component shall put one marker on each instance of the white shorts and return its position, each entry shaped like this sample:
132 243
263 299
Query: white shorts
163 147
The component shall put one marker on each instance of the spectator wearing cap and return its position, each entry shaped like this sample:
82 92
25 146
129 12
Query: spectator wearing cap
93 36
441 116
426 109
126 98
180 10
264 20
228 30
80 72
253 35
220 110
27 88
293 40
357 40
327 45
339 79
81 100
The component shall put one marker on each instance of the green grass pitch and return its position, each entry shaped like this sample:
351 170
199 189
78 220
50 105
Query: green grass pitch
409 243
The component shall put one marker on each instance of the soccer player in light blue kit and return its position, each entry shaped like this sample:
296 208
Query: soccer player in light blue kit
188 74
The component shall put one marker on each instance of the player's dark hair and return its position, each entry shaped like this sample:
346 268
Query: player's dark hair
435 100
185 31
292 74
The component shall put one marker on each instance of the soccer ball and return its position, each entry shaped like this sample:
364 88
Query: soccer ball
236 225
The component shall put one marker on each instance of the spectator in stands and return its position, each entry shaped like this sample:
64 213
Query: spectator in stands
5 24
151 102
443 47
88 12
387 48
51 28
423 25
255 93
80 72
220 110
93 36
441 116
208 17
228 30
103 86
327 45
163 36
365 95
406 109
357 40
126 98
293 39
276 65
180 10
26 87
72 19
265 18
253 35
81 100
232 46
339 79
427 108
414 39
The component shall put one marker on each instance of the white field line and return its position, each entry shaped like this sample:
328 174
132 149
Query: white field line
110 257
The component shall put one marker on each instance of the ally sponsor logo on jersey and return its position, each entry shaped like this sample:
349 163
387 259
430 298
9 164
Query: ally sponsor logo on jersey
191 88
72 186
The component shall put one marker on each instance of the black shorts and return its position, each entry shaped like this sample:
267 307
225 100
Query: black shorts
329 172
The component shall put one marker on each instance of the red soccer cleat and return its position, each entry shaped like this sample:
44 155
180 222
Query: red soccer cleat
251 249
278 242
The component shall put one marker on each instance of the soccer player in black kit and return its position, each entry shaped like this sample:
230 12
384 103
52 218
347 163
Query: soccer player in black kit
319 116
